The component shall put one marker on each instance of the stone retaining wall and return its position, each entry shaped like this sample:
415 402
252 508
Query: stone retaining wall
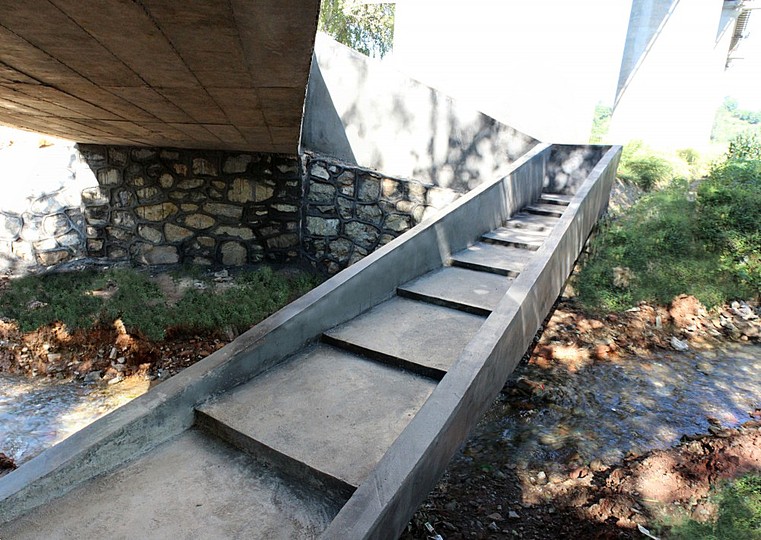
41 221
349 211
161 206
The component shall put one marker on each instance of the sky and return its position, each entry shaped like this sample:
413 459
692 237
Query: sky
743 78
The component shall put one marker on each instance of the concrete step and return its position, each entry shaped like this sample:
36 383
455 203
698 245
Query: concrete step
504 260
555 198
543 209
417 336
523 220
458 288
521 238
192 486
324 410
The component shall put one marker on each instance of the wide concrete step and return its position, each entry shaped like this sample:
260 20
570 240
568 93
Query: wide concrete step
193 486
543 209
458 288
523 220
521 238
325 410
555 198
418 336
504 260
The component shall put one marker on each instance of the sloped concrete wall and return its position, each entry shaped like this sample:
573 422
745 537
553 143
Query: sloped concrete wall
365 113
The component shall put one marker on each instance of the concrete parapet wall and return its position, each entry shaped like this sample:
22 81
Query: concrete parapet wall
366 113
350 211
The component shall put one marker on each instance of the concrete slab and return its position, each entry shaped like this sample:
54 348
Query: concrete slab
400 330
193 486
555 198
458 288
327 408
523 220
504 260
511 236
545 209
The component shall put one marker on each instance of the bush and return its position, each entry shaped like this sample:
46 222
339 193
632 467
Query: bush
643 167
744 146
729 217
657 247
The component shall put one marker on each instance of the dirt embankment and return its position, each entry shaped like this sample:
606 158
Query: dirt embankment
485 494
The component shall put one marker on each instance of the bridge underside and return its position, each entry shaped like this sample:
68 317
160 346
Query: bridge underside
211 74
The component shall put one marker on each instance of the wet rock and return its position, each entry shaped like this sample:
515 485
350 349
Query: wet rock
704 367
6 464
93 376
678 344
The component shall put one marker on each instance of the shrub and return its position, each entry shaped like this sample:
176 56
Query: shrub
643 167
744 146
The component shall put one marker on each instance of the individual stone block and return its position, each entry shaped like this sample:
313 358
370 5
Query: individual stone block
321 193
233 254
151 234
109 177
95 196
319 171
369 189
369 212
149 254
10 226
224 210
198 221
397 223
322 227
191 183
236 164
147 193
156 212
204 167
174 233
362 234
166 180
49 258
123 218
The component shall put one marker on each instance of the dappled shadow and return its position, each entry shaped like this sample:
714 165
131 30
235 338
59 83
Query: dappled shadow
362 111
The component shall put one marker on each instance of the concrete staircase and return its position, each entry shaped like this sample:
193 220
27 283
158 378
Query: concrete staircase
327 415
335 416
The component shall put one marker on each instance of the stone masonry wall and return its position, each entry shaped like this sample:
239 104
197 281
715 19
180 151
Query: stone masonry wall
165 206
349 211
41 221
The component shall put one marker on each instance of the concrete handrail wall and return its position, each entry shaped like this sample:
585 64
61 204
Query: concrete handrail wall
381 506
167 410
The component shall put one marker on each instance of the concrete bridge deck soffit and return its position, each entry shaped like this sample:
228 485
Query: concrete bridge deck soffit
209 74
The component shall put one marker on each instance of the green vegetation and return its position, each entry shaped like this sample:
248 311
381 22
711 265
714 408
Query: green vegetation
600 123
676 240
90 298
739 516
365 27
732 121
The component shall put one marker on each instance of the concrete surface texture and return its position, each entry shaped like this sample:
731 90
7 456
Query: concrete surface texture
366 112
343 446
215 75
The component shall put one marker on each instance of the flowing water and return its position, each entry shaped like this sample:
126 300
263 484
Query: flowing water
633 405
37 413
601 412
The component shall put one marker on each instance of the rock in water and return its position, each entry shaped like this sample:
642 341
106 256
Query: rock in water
679 345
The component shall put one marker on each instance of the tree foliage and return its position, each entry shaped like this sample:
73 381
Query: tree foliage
363 26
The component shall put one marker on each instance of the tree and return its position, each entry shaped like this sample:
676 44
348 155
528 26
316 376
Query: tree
364 26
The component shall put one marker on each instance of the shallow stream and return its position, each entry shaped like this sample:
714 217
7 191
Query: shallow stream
38 413
633 405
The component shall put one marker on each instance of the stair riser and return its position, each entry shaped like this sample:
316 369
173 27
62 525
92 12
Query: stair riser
332 487
467 308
